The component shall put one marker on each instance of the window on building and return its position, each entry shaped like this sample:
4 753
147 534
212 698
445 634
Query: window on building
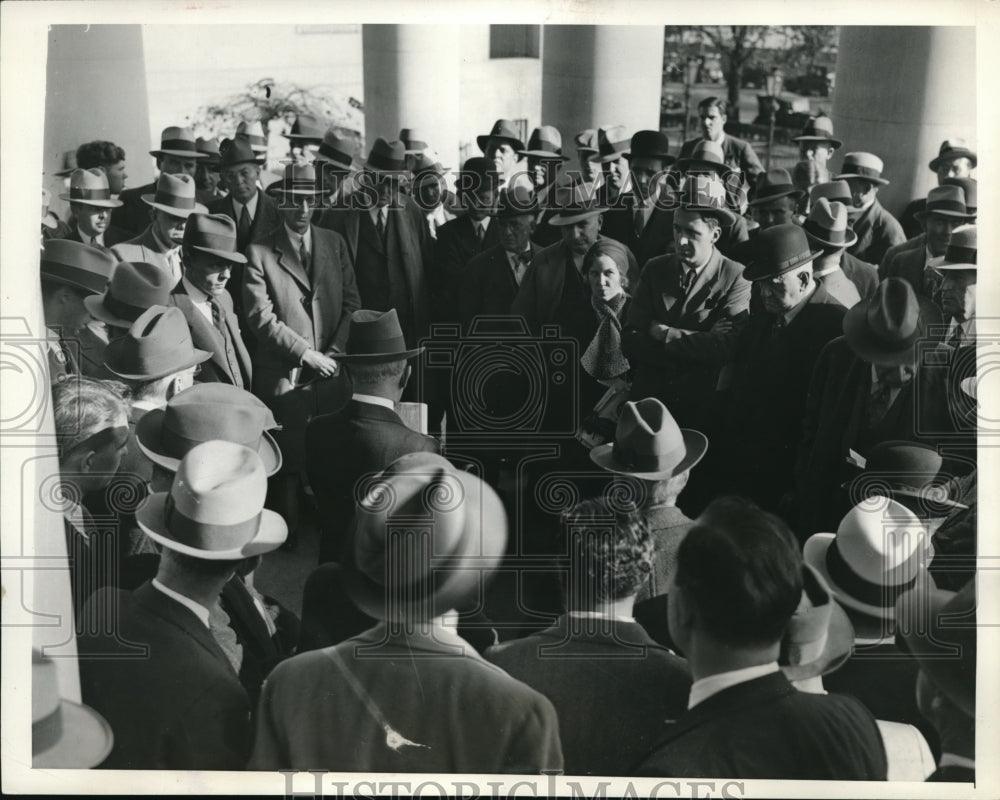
514 41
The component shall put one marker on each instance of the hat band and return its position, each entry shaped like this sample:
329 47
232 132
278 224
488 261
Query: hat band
799 653
384 163
823 234
179 144
649 463
872 594
856 170
46 732
366 346
795 260
122 309
334 154
78 275
166 198
953 206
415 144
960 255
547 146
206 536
212 241
83 194
177 445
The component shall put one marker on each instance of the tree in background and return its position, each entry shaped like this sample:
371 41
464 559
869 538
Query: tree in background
737 44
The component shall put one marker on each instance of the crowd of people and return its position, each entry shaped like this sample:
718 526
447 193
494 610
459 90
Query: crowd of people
644 464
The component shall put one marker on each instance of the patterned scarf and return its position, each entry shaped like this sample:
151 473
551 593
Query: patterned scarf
603 357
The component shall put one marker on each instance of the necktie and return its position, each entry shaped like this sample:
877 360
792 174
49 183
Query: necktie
305 258
687 279
93 241
225 636
956 338
521 261
878 404
432 228
243 228
380 223
639 220
218 318
480 233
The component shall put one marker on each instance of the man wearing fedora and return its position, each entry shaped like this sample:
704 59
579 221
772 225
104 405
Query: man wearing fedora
182 706
816 147
70 272
502 146
335 161
845 278
160 243
254 212
209 253
596 651
687 309
943 212
865 390
368 427
955 159
208 175
738 154
612 149
969 187
957 297
178 155
773 360
876 228
304 138
586 146
409 695
90 204
386 241
737 585
544 158
430 192
775 199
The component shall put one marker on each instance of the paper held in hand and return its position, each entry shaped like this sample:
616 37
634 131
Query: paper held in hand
414 415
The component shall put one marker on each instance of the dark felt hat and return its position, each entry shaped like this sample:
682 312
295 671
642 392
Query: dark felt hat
134 287
953 148
778 250
818 129
884 328
503 130
157 345
650 144
77 264
772 184
376 336
215 234
545 143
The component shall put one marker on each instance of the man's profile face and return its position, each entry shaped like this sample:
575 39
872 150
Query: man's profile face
93 220
862 191
589 170
645 172
501 154
582 234
116 176
207 272
954 168
241 181
784 292
779 211
938 229
176 165
694 238
712 123
616 173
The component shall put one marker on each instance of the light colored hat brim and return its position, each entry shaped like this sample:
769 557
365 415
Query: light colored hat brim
150 199
95 305
148 431
85 742
548 155
378 358
597 158
838 648
179 153
152 519
898 491
850 241
790 192
230 255
559 218
835 142
111 203
695 446
197 358
955 266
847 175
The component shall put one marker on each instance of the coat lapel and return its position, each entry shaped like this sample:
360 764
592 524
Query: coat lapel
702 285
204 334
289 260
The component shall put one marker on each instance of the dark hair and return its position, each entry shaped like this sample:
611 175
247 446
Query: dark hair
742 570
611 553
367 375
98 154
719 102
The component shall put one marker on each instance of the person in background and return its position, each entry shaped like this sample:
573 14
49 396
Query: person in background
876 228
955 159
107 157
544 158
207 175
501 146
816 147
90 203
845 278
612 148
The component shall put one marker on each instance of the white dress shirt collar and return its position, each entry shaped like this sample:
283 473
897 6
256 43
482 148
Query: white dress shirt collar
704 688
932 261
251 206
199 299
297 238
374 400
85 237
196 608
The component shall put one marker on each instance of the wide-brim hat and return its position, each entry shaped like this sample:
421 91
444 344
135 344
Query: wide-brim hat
946 200
214 234
503 130
413 141
884 328
963 249
575 203
545 143
648 444
866 166
454 537
376 337
157 344
90 187
705 193
238 150
64 734
834 191
299 180
175 195
818 129
76 264
953 148
252 133
586 140
612 144
177 141
336 150
69 164
134 287
214 510
819 637
778 250
650 144
827 225
210 148
386 157
306 128
772 185
705 156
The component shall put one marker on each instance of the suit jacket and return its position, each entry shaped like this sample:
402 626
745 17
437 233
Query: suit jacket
668 526
91 354
454 711
542 286
909 265
487 285
863 275
206 336
113 235
133 214
264 222
839 287
739 154
600 669
179 707
291 312
916 242
456 246
656 237
145 247
953 773
766 728
877 231
374 436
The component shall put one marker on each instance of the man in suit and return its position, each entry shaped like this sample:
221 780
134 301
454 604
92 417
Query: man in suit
686 311
90 204
775 199
160 242
955 159
876 228
182 706
335 161
409 694
816 147
612 148
586 146
772 363
368 427
178 154
944 210
386 241
737 154
208 253
738 582
208 176
865 389
919 240
846 279
502 146
430 193
595 662
544 158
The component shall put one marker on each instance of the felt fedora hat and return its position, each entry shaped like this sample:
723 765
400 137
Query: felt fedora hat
953 148
862 165
827 227
818 129
819 637
905 471
204 412
586 141
305 129
386 157
428 161
215 507
706 156
648 443
64 734
575 203
337 150
970 186
413 141
215 234
884 328
612 144
252 132
778 250
545 143
76 264
210 148
503 130
68 164
298 180
134 287
157 345
962 250
772 184
515 201
376 336
177 141
175 196
90 186
938 628
476 171
833 191
946 200
424 539
705 194
650 144
237 151
877 553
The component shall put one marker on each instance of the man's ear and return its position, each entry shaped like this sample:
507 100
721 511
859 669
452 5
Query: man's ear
86 462
405 378
805 277
716 233
600 221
